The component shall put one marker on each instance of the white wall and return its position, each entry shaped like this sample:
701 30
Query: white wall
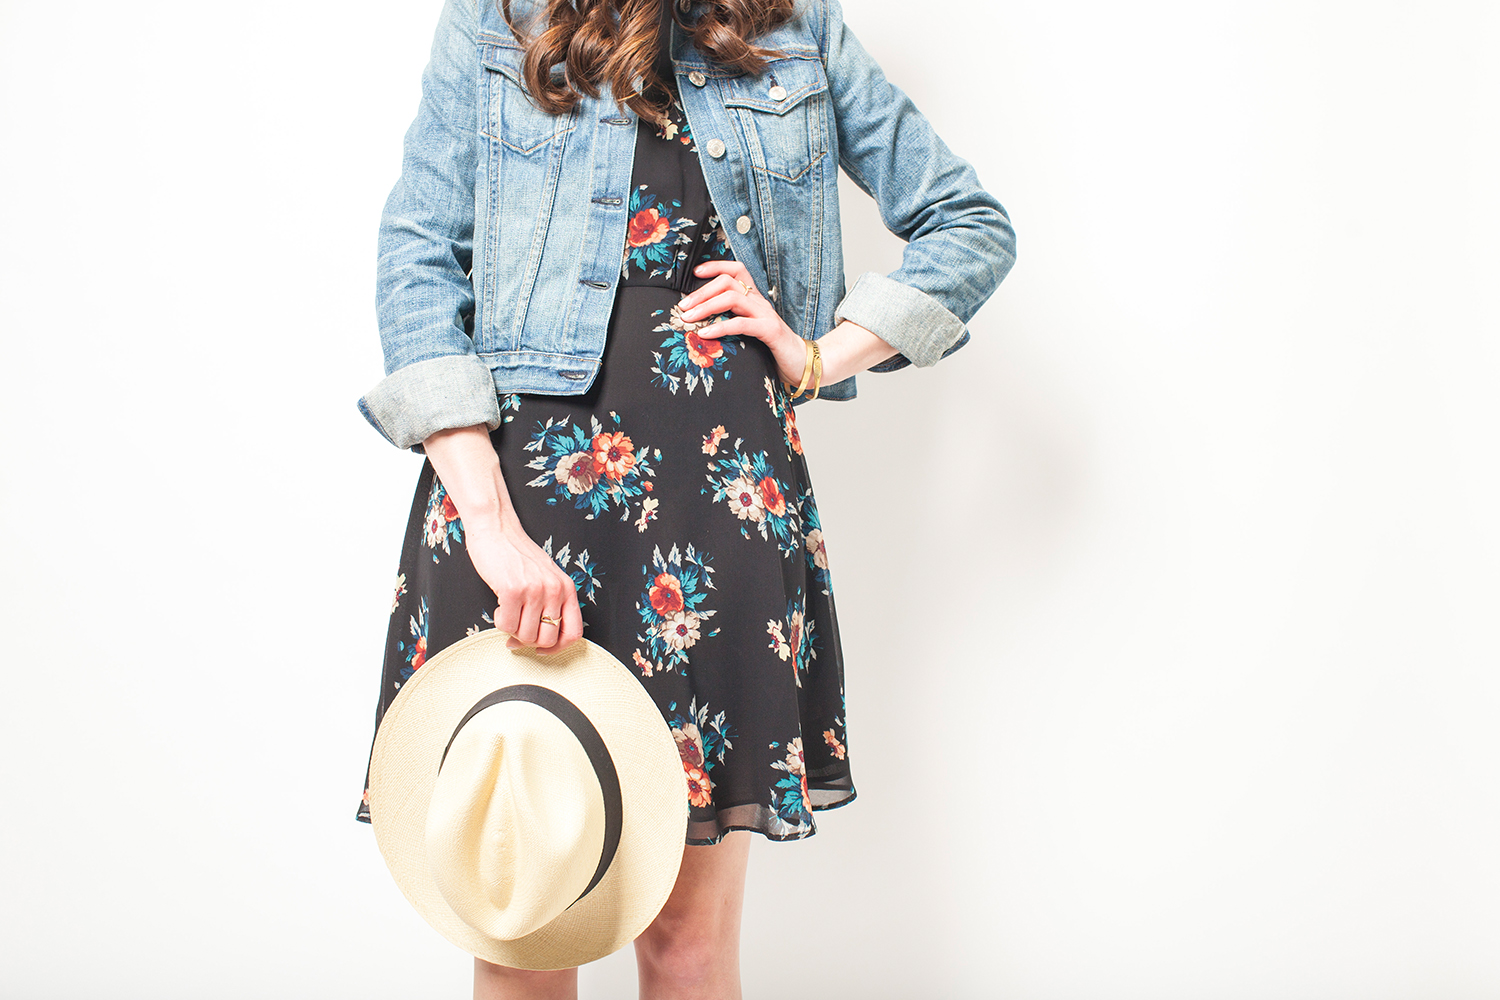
1169 603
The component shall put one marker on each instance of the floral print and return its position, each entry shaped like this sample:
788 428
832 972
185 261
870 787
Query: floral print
835 745
511 401
415 651
596 469
780 403
815 547
789 793
690 359
673 126
582 570
792 638
702 740
442 525
655 235
671 608
748 485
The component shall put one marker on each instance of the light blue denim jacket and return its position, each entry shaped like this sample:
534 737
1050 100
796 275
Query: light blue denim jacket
500 244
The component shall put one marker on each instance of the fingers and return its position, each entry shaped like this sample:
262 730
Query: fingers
746 326
733 268
572 621
548 616
531 623
570 627
725 293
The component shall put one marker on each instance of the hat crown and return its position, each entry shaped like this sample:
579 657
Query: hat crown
516 821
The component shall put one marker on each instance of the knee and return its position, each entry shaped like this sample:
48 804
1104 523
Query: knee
682 951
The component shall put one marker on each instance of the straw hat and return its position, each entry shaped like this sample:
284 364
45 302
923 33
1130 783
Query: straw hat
531 807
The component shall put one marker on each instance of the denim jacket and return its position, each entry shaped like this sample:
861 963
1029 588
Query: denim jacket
497 275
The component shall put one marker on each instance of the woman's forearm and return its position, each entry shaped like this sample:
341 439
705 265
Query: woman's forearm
469 469
849 349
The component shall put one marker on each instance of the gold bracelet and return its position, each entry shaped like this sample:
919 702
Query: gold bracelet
817 353
807 368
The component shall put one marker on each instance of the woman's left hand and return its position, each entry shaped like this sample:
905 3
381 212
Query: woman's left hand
729 290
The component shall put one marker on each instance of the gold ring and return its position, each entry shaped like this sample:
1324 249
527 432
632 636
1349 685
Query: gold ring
552 621
743 285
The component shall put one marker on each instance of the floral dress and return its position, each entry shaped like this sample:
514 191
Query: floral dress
676 495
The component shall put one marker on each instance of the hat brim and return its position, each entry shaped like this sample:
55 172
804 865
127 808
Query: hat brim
404 766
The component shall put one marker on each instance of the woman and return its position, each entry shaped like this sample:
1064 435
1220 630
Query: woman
593 315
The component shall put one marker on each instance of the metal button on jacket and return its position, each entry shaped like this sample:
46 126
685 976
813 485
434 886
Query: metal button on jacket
778 93
697 79
742 223
716 148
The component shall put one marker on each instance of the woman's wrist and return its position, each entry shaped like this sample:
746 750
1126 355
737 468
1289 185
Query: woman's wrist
849 349
469 469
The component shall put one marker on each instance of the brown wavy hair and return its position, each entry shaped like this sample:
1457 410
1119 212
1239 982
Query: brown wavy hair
614 41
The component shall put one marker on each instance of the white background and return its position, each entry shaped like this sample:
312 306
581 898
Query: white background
1169 603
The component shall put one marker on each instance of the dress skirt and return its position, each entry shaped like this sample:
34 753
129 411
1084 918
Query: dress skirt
676 494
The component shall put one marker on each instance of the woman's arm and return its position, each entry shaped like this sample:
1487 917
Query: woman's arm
526 582
847 349
434 377
959 241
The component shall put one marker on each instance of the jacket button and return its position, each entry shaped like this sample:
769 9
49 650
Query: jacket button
716 148
778 93
697 79
742 224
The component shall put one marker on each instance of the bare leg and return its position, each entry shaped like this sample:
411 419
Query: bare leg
497 982
691 951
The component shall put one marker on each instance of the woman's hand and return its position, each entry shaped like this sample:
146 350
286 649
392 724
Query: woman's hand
528 585
846 349
729 290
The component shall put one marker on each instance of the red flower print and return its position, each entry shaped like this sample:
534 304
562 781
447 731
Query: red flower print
666 594
771 494
700 790
834 744
419 657
792 434
614 456
646 227
703 353
450 512
689 745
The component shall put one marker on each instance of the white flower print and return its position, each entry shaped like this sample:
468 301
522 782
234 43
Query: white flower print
745 500
576 472
795 764
816 548
680 630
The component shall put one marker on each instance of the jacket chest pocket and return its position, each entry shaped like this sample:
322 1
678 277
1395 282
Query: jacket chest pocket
782 114
510 117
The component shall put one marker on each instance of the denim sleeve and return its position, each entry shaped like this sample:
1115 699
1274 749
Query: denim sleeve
959 241
434 377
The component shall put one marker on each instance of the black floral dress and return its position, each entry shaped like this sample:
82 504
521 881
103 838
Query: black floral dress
676 495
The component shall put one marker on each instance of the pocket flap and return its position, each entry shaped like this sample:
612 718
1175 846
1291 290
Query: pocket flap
798 77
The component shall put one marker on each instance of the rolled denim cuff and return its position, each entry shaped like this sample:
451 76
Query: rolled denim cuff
455 390
910 320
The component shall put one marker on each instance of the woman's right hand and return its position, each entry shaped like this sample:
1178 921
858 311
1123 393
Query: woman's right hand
536 602
529 587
